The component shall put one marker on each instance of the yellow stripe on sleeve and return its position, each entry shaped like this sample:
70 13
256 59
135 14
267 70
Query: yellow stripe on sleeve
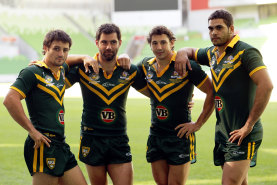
19 91
35 160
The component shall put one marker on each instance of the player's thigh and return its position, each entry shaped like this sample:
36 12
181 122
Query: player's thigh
178 174
116 170
97 175
74 176
235 172
44 179
160 170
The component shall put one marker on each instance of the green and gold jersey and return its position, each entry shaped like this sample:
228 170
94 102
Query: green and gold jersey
234 91
170 94
43 93
104 98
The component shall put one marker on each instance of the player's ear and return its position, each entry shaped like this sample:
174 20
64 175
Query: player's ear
120 41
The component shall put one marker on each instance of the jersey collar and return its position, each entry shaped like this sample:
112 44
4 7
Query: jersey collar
43 64
234 40
104 72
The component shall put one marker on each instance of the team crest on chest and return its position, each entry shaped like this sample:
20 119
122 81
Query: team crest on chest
124 75
218 103
161 112
85 151
108 115
94 77
149 75
49 80
51 162
228 64
213 61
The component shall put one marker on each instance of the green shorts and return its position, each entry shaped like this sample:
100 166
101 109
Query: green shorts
174 150
104 150
227 152
53 161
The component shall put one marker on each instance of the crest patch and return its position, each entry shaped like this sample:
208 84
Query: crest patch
85 151
51 162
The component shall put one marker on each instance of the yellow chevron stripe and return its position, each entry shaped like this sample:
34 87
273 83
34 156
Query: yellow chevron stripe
67 82
256 69
51 85
19 91
169 92
221 72
41 157
216 87
108 102
35 160
51 93
195 54
144 88
108 92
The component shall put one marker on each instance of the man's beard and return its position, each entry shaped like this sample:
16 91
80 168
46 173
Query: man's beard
109 56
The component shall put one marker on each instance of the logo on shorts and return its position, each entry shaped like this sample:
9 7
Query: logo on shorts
238 152
182 156
161 112
51 163
61 117
128 154
218 103
85 151
108 115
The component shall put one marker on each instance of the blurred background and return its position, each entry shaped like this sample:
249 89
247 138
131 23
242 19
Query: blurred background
23 24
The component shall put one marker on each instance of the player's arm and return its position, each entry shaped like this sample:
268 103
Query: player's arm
182 60
263 91
13 104
85 59
188 128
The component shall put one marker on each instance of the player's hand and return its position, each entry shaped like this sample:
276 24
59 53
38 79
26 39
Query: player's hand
39 138
191 103
185 129
240 134
181 63
124 61
90 61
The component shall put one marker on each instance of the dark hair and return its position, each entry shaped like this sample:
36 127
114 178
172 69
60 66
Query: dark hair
159 30
222 14
56 35
108 29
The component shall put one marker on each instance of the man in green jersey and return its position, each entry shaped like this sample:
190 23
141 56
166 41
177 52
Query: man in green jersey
104 144
48 157
170 147
242 89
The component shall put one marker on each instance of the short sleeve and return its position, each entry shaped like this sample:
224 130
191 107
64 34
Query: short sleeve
72 76
197 76
25 82
203 56
252 60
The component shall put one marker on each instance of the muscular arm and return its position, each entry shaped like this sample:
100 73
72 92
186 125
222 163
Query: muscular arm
13 104
188 128
263 92
182 59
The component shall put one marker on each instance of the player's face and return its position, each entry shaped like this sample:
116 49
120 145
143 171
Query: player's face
220 33
161 46
108 46
56 54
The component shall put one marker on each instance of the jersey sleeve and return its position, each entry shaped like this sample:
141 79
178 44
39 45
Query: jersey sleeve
72 76
252 61
139 81
25 82
203 56
197 76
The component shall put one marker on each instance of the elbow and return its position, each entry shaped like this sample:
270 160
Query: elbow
6 101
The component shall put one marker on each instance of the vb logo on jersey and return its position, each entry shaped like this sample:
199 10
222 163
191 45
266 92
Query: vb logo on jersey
161 112
218 103
85 151
51 162
61 117
108 115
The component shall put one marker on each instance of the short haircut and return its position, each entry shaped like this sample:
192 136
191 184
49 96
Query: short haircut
108 29
56 35
159 30
222 14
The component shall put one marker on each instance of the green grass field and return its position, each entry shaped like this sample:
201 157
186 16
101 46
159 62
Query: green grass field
14 172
